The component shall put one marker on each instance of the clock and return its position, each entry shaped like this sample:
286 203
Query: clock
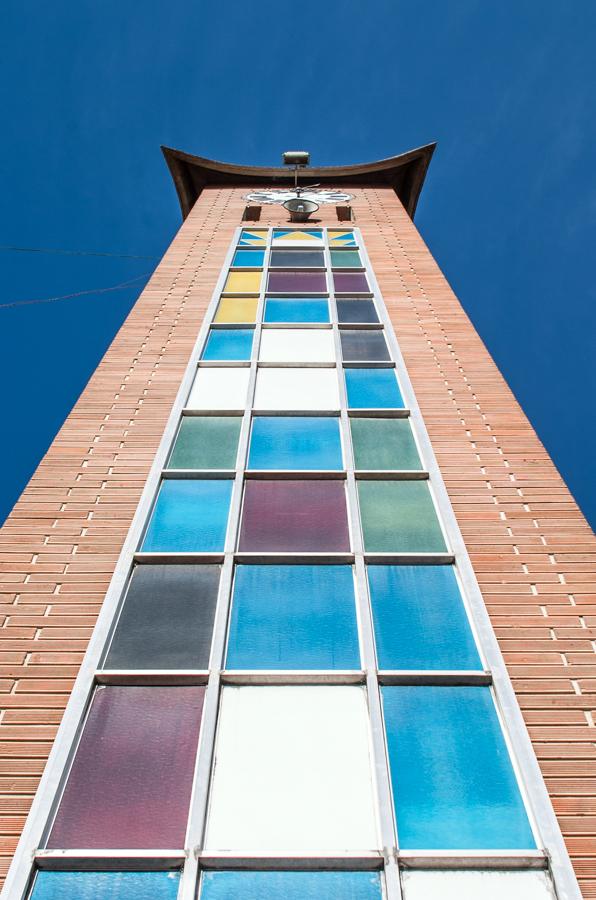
280 195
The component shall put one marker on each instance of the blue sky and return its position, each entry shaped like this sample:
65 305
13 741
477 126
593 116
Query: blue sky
90 90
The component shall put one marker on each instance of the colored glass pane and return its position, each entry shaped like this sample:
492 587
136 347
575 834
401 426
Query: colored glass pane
293 617
297 282
453 784
167 619
384 444
293 771
131 778
236 309
228 343
189 516
399 517
248 259
252 238
206 442
297 389
295 442
51 885
356 311
363 346
346 259
296 309
219 388
341 238
297 236
294 516
290 259
372 389
297 345
243 283
291 886
447 884
419 618
350 283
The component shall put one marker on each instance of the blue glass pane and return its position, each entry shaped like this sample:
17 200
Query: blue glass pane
296 309
420 620
228 343
295 442
453 783
293 617
290 886
250 258
372 389
189 516
105 886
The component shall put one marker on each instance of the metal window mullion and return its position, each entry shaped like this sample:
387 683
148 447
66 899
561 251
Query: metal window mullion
524 759
367 645
197 820
59 760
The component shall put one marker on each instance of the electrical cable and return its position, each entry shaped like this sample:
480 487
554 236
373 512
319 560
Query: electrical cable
7 247
115 287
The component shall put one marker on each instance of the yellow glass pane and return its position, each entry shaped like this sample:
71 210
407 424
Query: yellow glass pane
243 283
342 238
237 309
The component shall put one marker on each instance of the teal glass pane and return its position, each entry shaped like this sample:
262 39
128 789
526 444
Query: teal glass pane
453 784
206 442
228 344
384 444
296 309
372 389
419 618
248 259
189 516
51 885
293 617
346 259
290 886
295 442
399 517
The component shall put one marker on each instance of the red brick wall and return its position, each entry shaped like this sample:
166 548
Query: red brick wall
533 553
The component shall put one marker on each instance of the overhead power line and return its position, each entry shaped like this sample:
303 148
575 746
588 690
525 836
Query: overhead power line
62 252
115 287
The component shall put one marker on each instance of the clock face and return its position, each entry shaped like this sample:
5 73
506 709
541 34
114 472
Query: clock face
280 195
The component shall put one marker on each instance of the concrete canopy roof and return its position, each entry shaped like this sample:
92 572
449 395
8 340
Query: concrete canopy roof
404 173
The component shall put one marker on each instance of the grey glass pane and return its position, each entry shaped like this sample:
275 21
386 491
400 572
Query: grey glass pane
363 346
356 310
290 259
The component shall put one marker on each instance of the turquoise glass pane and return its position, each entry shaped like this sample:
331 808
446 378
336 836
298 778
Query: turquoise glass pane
105 886
453 783
293 617
189 516
399 517
295 442
345 259
420 620
290 886
248 259
296 309
228 343
372 389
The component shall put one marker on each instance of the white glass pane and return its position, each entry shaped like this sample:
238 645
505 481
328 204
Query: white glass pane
444 884
219 389
297 345
292 771
304 389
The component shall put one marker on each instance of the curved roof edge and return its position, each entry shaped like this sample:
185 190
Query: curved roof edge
404 173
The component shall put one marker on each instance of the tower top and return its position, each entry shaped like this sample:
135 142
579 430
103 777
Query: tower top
404 173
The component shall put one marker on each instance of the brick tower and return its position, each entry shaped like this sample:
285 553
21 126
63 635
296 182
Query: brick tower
296 604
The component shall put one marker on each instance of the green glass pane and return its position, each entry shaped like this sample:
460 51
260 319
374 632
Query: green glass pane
399 517
384 444
345 259
206 442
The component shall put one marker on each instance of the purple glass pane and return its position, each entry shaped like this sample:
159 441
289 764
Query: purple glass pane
131 779
297 282
294 516
350 283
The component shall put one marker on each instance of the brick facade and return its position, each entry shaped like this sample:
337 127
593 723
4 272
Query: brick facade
532 550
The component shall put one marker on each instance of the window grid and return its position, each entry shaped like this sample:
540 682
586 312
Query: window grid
357 556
